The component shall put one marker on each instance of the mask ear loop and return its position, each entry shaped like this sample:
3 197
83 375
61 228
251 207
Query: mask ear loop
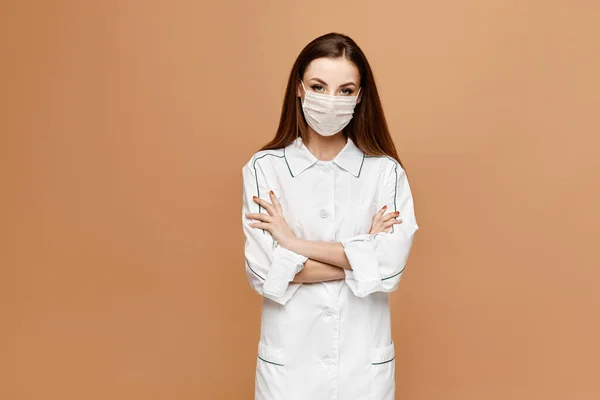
298 116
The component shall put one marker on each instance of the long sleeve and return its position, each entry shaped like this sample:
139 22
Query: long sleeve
378 260
270 268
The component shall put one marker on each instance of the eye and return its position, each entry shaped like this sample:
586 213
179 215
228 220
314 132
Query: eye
349 91
316 88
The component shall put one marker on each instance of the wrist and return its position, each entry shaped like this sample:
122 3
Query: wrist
291 245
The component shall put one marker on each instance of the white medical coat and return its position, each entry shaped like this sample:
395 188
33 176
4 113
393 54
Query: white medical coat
327 340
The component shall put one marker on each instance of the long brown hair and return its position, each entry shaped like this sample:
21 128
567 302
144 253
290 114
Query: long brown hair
367 128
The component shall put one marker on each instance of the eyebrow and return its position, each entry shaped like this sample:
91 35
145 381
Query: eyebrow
325 83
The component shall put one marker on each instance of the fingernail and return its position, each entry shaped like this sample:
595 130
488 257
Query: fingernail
384 207
271 192
397 212
254 197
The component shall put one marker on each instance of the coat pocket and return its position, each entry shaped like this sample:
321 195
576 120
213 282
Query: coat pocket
383 368
271 373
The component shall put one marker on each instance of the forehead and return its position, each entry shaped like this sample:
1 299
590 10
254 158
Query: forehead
334 71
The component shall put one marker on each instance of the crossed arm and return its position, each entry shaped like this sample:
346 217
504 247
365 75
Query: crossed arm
326 261
317 271
278 263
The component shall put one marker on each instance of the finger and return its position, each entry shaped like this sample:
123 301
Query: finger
265 204
260 216
389 223
259 225
275 201
391 215
380 213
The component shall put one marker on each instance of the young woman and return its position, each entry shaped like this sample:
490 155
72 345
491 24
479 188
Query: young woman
329 223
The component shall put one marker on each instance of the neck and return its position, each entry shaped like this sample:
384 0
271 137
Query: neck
325 148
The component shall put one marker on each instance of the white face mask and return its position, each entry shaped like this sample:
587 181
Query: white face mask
326 114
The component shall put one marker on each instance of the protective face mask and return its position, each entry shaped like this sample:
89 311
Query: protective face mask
327 114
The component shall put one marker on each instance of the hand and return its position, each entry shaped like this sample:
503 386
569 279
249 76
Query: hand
383 223
273 222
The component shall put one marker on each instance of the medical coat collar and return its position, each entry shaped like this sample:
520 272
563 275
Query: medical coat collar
299 158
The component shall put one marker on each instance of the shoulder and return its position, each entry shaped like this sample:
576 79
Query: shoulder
262 156
384 165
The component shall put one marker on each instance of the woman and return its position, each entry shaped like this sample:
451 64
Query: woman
329 222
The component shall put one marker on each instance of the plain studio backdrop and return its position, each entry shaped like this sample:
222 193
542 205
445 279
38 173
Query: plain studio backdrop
124 127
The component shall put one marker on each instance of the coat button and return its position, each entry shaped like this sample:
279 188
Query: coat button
329 311
326 168
324 213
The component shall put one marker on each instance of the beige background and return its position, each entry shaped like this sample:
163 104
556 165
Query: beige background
124 128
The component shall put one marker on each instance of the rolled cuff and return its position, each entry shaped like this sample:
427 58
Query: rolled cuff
365 276
286 264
